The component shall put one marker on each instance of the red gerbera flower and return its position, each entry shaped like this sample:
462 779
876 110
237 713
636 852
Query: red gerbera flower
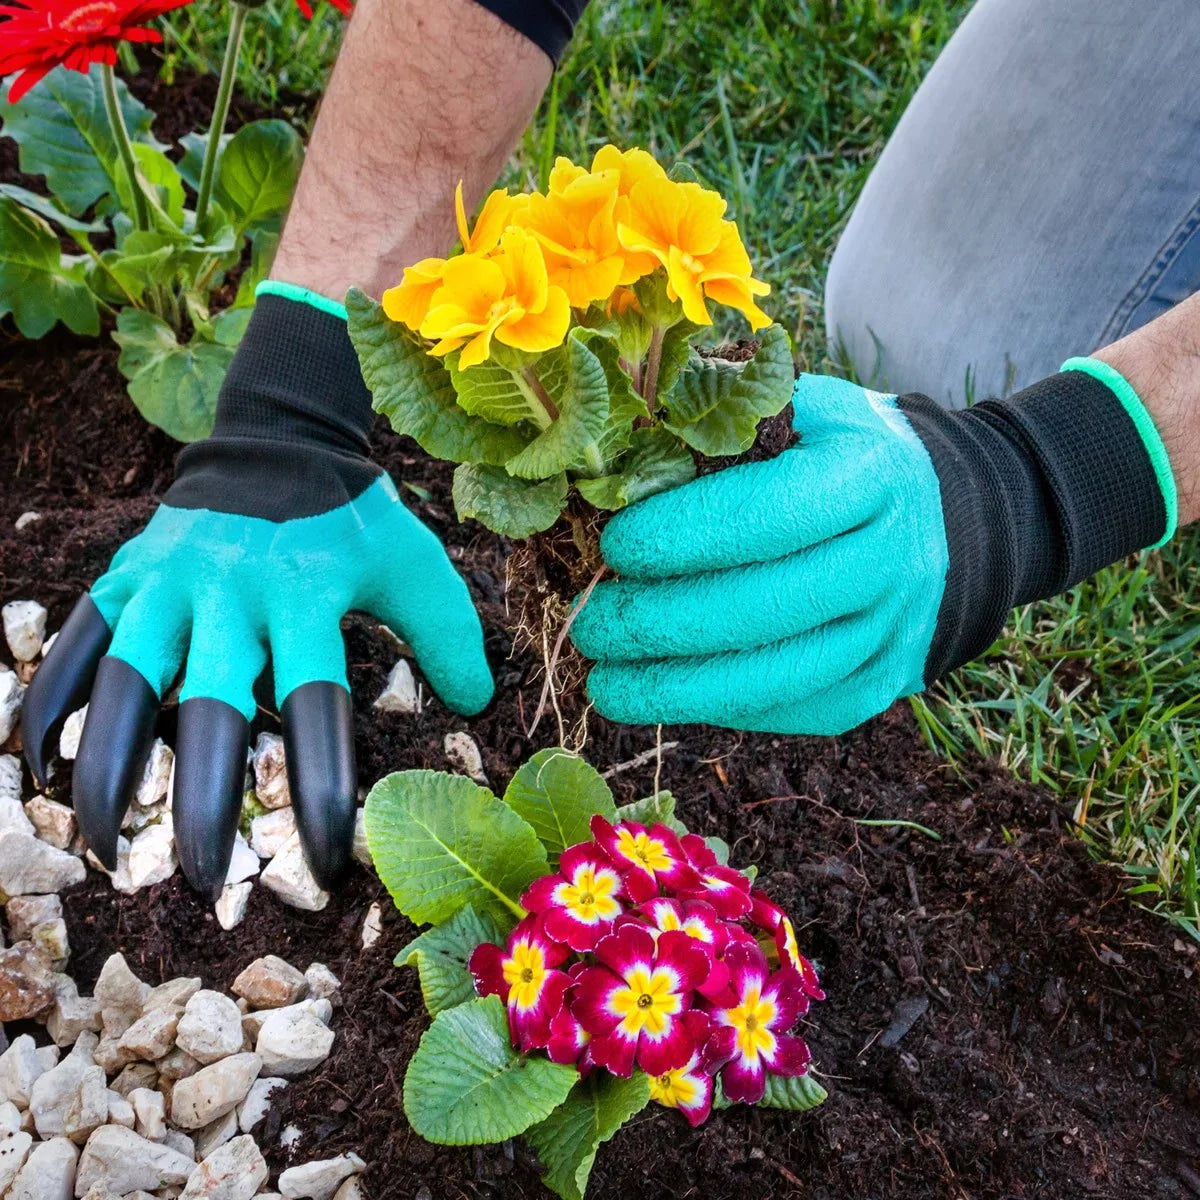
38 35
343 6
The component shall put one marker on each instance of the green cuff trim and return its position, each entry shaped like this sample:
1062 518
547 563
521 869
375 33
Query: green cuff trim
290 291
1147 431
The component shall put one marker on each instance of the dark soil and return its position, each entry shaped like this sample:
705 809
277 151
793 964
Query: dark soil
1001 1021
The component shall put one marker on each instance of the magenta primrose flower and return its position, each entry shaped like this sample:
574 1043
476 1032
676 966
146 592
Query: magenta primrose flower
766 914
688 1088
727 890
581 902
646 858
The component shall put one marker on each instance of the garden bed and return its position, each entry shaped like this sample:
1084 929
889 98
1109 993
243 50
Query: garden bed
1001 1021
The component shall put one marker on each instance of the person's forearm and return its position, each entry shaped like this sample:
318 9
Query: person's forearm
1161 361
423 95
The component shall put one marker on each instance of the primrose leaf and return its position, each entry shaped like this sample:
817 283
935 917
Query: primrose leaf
46 207
513 507
797 1093
413 390
558 793
440 841
655 462
567 1140
257 173
467 1085
651 810
676 350
495 393
575 380
441 955
34 285
174 386
63 132
624 404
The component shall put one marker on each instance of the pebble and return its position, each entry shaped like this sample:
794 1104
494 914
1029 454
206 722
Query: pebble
291 1042
216 1134
122 881
173 995
270 982
462 753
231 905
400 694
214 1090
72 1099
252 1022
289 1136
234 1171
181 1142
133 1076
319 1180
122 1161
26 519
152 854
360 851
177 1065
26 982
48 1173
120 995
323 984
11 692
270 772
48 644
372 929
120 1111
211 1027
72 731
20 1068
14 1150
26 913
288 876
243 864
53 822
258 1101
10 1117
71 1014
150 1108
270 832
10 777
151 1036
352 1189
156 776
24 628
13 817
50 937
31 867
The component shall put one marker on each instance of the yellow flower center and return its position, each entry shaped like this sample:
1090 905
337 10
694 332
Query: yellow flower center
751 1020
500 309
89 18
646 1002
524 972
690 264
644 850
590 896
674 1088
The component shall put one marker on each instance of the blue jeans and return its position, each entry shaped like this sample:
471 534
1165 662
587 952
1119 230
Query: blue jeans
1039 198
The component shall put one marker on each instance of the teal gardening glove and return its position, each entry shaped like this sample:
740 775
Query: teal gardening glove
805 594
274 528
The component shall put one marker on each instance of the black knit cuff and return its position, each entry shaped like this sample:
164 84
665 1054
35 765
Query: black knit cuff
1038 493
547 23
293 417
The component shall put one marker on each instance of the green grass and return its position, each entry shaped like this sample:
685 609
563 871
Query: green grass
784 106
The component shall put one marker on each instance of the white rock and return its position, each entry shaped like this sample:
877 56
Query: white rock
156 776
50 937
292 1042
134 1075
211 1027
110 1056
31 867
360 850
48 1173
270 982
10 1117
319 1180
72 731
288 876
10 777
24 628
122 1162
150 1108
12 690
120 995
181 1142
121 879
151 1036
14 1150
177 1065
216 1134
26 519
213 1091
243 864
289 1135
152 854
233 1172
372 929
72 1099
26 913
13 817
258 1101
120 1110
270 772
231 905
352 1189
462 753
48 644
269 832
72 1013
52 822
400 694
172 996
49 1056
323 984
20 1068
322 1010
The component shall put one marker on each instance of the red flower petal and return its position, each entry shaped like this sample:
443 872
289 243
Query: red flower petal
614 1052
629 947
791 1057
531 1025
485 964
744 1080
666 1051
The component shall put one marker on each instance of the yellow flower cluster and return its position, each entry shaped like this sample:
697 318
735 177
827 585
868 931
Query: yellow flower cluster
531 259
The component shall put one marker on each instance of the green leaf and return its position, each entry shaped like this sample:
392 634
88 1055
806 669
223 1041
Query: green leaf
34 285
413 390
720 847
676 350
467 1085
567 1140
45 207
684 172
441 955
513 507
558 793
655 462
229 326
495 393
161 184
174 386
62 129
651 810
192 163
624 403
440 841
257 173
797 1093
263 244
145 259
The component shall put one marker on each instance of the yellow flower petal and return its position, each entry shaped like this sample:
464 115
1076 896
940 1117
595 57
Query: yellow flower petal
408 302
684 285
537 332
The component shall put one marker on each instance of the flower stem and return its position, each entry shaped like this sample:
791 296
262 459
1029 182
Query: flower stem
543 396
141 211
653 362
237 26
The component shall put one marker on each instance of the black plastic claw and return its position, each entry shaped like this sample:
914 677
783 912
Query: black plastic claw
318 737
210 772
62 683
116 741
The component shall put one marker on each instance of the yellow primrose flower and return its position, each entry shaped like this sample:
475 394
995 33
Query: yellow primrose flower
496 215
506 295
408 302
681 226
632 166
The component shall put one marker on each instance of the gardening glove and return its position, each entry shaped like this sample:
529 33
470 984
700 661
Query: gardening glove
805 594
275 527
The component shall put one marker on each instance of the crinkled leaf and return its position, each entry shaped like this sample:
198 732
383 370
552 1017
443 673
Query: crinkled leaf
567 1140
257 173
35 286
676 350
440 841
513 507
575 380
655 462
174 386
441 955
413 390
495 393
797 1093
651 810
558 793
624 404
46 207
63 132
467 1085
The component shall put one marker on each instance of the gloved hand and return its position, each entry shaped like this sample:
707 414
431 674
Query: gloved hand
275 527
805 594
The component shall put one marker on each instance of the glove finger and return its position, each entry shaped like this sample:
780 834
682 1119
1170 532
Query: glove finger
318 736
62 683
748 514
424 599
736 609
729 689
830 711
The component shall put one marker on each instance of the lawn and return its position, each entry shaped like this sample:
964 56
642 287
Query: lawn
784 108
